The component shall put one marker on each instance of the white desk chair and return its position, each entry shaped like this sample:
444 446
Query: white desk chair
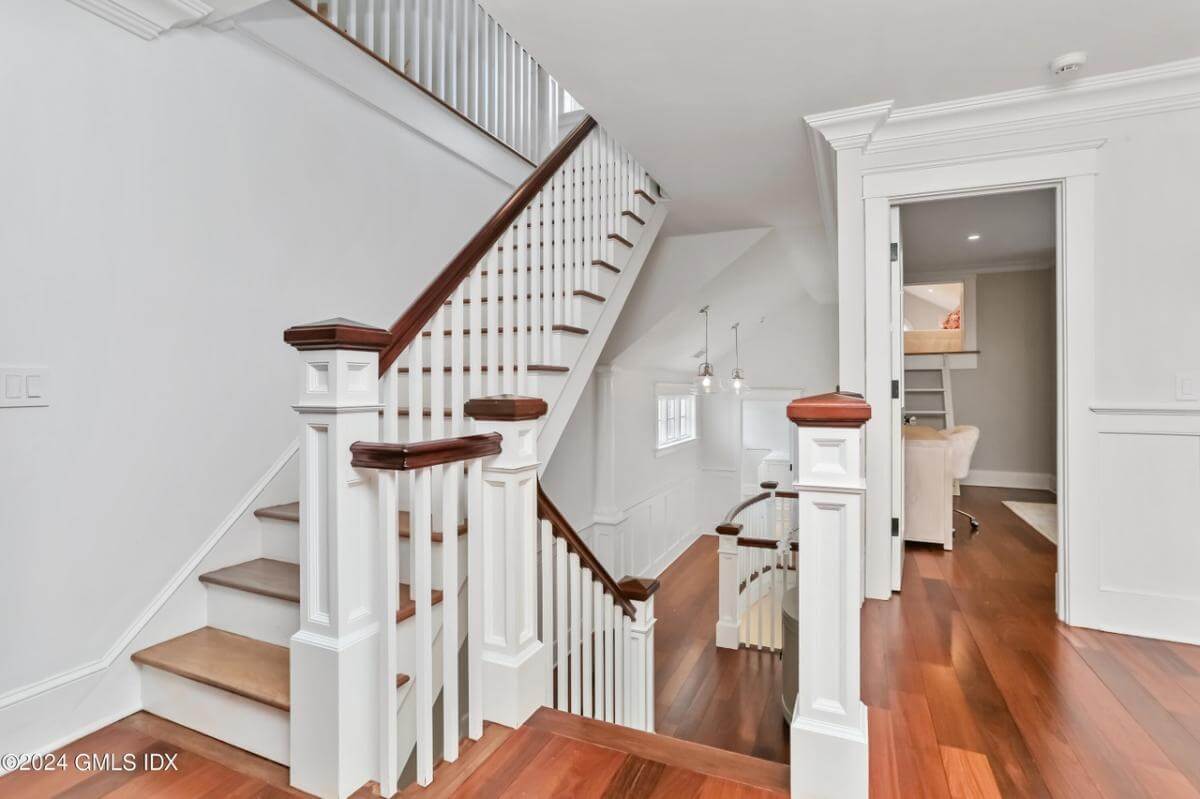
963 439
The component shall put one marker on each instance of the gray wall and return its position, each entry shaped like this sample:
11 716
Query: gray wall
1011 396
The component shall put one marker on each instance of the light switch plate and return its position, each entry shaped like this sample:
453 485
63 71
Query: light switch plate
1187 386
24 386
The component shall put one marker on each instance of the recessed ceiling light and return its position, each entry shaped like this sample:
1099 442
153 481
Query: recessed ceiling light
973 237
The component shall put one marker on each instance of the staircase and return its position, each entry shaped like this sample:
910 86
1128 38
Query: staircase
941 393
337 651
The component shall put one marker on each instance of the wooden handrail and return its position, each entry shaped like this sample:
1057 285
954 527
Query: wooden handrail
408 327
406 457
741 506
562 528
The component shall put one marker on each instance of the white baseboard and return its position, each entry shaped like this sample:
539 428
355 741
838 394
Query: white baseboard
1001 479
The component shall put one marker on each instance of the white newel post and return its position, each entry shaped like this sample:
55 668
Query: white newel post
513 677
334 655
829 724
727 584
639 653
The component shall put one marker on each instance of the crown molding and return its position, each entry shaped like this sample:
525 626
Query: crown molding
147 18
928 274
850 128
1138 92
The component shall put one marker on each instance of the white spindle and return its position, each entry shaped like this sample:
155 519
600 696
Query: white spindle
457 384
559 317
389 516
610 656
508 302
450 720
422 548
560 633
586 632
576 629
546 551
597 687
475 600
569 241
536 234
492 322
522 301
619 668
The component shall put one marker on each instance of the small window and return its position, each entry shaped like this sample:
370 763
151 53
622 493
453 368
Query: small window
676 419
934 318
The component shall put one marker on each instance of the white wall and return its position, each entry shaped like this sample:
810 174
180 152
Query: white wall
169 208
1135 327
655 493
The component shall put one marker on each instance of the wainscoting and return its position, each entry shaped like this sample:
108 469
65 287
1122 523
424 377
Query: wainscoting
646 538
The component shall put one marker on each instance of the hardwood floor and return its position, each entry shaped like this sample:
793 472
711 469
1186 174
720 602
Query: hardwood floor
720 697
204 767
973 687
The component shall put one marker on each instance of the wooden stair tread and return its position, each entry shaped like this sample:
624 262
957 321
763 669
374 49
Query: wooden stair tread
408 606
634 217
646 196
605 264
273 578
485 331
617 237
533 367
696 757
290 512
287 512
243 666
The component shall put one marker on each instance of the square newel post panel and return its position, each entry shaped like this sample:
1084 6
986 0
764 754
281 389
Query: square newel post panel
513 678
334 655
727 585
639 653
829 723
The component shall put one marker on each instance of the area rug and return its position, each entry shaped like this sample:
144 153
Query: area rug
1041 516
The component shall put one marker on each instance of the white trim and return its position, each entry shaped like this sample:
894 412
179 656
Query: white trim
850 128
147 18
962 271
80 732
63 678
1109 408
676 446
1003 479
1137 92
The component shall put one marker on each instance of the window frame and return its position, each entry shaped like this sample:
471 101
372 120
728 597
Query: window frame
676 417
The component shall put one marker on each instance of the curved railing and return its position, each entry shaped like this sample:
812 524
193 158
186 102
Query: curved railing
758 551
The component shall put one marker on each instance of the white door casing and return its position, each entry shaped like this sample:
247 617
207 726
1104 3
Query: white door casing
896 273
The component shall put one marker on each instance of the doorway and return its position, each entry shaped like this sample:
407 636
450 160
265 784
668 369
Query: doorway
974 363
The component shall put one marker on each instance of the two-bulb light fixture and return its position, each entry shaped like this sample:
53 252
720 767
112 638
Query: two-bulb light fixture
705 382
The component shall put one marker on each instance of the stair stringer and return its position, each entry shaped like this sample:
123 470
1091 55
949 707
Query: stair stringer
564 403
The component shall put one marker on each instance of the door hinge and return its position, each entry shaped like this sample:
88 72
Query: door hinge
895 389
895 527
895 251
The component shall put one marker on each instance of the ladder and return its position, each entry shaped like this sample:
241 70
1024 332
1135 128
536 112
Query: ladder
946 412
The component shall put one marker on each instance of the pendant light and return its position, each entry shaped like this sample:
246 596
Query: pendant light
704 382
737 381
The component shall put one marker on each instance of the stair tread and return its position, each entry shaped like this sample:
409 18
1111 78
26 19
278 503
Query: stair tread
621 239
696 757
290 512
273 578
408 606
243 666
591 295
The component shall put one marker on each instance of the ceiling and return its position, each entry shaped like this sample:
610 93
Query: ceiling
1016 228
710 95
946 296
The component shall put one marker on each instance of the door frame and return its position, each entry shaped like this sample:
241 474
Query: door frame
1071 170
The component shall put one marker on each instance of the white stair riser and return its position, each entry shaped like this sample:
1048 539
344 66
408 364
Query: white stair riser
245 723
255 616
280 540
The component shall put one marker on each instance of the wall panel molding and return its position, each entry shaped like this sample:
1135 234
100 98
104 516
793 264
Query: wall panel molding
147 18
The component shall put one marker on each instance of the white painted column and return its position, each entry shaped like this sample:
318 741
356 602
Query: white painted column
829 724
727 585
334 655
608 519
639 654
513 671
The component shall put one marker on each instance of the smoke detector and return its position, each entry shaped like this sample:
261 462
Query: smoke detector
1068 63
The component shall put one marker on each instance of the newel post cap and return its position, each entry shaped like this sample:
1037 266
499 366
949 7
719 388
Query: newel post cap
837 409
505 408
337 334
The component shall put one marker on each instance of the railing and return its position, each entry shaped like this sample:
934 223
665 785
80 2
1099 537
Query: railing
757 567
456 52
599 633
464 358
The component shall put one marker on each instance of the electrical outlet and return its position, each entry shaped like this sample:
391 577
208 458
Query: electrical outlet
24 386
1187 386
